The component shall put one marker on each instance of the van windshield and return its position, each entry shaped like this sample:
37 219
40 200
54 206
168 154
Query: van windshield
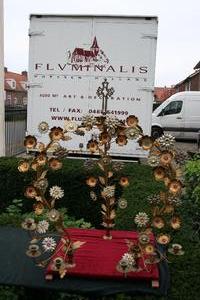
173 107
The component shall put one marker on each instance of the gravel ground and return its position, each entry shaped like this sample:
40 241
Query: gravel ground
186 146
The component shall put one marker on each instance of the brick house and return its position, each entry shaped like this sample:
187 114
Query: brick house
190 83
15 88
162 93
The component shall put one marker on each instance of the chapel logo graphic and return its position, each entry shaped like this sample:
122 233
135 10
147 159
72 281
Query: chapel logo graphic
93 55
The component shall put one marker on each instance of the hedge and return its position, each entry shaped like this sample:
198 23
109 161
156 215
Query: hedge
72 179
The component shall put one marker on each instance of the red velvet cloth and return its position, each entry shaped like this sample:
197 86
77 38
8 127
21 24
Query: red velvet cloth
98 258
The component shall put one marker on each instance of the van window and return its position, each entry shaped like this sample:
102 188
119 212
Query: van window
172 108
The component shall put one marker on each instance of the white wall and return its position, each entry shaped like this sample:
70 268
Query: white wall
2 112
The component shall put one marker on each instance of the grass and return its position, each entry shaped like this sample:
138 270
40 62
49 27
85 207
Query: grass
184 269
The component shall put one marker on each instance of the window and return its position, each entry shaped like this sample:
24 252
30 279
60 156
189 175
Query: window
172 108
188 86
12 83
23 84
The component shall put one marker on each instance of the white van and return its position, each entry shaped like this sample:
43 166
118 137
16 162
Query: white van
179 115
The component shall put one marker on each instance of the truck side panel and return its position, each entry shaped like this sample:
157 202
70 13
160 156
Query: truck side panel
69 59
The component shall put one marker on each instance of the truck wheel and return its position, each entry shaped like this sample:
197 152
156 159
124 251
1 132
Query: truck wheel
156 132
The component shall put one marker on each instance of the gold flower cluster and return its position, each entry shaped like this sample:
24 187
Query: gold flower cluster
45 158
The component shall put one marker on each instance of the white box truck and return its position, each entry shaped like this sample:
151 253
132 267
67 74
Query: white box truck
70 56
179 115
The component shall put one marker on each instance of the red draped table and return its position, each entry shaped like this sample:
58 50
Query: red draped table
98 257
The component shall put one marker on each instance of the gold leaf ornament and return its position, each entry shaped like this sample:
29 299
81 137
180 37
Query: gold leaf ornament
102 180
100 166
110 174
62 272
112 214
43 175
77 245
103 207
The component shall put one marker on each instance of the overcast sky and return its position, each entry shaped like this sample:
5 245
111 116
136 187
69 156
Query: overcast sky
178 48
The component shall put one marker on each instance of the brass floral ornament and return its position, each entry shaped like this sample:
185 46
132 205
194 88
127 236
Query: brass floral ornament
164 219
43 241
110 130
164 159
161 219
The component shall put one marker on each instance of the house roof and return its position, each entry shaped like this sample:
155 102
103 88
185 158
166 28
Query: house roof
18 79
197 66
187 78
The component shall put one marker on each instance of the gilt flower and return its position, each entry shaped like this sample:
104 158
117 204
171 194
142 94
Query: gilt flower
146 142
124 182
132 133
175 186
29 224
30 192
70 126
92 146
141 219
41 158
53 215
30 142
56 192
38 208
122 203
158 222
55 164
175 222
132 121
33 251
91 181
166 157
121 140
154 199
88 120
105 160
40 147
56 133
34 165
153 160
144 238
128 258
49 244
159 173
173 200
41 184
42 226
163 239
149 249
43 127
108 191
104 137
23 166
166 140
112 122
58 263
126 263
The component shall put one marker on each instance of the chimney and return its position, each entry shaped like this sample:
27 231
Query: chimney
5 70
24 73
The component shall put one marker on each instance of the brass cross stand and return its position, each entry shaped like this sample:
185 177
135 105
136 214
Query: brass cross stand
104 93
